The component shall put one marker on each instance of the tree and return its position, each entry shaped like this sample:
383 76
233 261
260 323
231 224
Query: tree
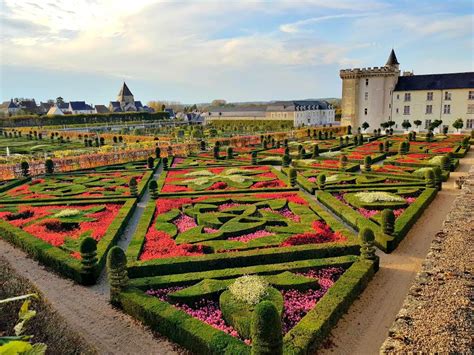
365 125
458 124
384 125
59 101
417 123
406 124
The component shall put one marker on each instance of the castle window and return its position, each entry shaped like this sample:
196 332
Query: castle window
398 97
366 96
365 111
429 109
447 109
470 123
471 95
470 108
447 96
406 110
427 124
366 82
429 96
407 96
396 110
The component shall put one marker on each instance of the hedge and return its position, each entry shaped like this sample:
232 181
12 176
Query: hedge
60 260
180 327
10 184
204 262
317 323
32 120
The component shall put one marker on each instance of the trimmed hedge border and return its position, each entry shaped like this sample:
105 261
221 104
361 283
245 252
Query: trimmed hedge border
142 186
281 176
60 260
233 259
13 183
403 223
204 339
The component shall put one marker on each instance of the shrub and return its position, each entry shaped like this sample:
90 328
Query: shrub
343 161
292 177
117 272
230 153
367 238
266 330
216 151
438 174
165 163
286 161
249 289
367 163
202 145
265 144
150 162
158 152
465 142
153 186
322 181
254 158
49 166
133 184
380 147
445 163
25 168
316 151
402 148
388 221
285 142
88 250
387 146
430 178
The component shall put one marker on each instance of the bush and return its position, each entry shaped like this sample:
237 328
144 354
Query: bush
153 186
445 163
254 158
216 151
438 173
381 150
117 272
388 221
316 151
286 161
387 146
230 153
25 169
165 163
49 166
367 163
321 181
343 161
292 177
150 162
367 238
430 178
89 259
158 152
266 330
133 184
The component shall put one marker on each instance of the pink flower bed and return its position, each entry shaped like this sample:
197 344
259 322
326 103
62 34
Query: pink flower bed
251 236
184 222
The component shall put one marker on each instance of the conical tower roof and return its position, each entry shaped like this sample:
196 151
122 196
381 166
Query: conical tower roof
392 59
125 91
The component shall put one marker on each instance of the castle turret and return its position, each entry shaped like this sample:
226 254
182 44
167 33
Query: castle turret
125 96
367 93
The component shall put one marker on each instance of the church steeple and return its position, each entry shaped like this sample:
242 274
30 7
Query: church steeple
125 96
392 60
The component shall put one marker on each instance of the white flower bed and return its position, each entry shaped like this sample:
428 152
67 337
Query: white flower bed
249 289
378 196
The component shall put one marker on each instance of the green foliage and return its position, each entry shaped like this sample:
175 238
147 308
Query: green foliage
230 153
49 166
367 250
458 124
292 177
266 330
25 169
430 178
387 146
153 186
150 162
286 161
367 163
342 161
388 221
133 184
117 272
321 181
89 259
215 151
165 163
381 149
158 152
438 176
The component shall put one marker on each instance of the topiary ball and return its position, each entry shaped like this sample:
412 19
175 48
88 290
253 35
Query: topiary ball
366 235
153 185
88 245
116 258
266 329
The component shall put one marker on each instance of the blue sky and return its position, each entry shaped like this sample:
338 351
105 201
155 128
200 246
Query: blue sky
197 51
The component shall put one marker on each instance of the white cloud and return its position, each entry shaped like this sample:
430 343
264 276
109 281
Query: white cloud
295 27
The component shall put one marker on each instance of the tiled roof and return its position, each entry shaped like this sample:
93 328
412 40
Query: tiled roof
392 59
125 91
436 82
79 106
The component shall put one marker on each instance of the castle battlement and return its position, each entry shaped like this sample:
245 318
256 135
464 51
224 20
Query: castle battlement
368 72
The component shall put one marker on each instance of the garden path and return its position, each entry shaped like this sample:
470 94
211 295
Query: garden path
364 328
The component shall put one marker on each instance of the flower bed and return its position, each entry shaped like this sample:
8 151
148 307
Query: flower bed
193 162
77 186
52 232
419 160
326 164
220 179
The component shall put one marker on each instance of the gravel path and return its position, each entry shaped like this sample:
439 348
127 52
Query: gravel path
365 327
436 316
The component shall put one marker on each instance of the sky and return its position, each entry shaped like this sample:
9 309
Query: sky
197 51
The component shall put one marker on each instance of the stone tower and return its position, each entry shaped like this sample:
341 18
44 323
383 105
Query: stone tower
125 96
367 93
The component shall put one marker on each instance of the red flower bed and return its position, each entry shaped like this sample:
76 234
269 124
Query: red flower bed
322 234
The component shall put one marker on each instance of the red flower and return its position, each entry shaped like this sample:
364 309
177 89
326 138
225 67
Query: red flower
220 185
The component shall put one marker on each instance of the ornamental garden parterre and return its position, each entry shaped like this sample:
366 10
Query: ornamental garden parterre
257 247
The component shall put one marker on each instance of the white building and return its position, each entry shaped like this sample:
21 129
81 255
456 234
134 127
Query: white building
55 111
80 107
376 95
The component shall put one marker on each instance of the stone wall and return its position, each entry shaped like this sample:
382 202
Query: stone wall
436 316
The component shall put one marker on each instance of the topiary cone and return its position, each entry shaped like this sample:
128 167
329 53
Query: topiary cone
367 249
153 186
321 181
388 221
265 327
88 250
165 163
316 151
368 163
254 158
117 272
438 177
133 184
292 177
286 161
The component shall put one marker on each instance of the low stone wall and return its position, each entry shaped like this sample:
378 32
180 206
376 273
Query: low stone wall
436 316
